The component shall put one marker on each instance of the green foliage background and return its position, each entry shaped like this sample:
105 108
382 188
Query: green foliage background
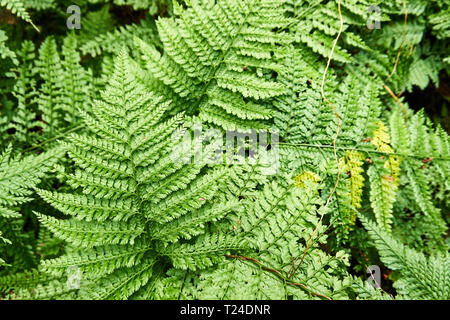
89 117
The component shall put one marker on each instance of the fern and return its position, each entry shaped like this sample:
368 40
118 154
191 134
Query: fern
112 41
23 121
261 272
18 177
66 87
5 52
138 216
99 177
213 61
420 277
384 179
18 7
39 4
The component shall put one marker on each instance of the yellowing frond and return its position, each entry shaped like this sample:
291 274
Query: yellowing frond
353 167
305 178
384 179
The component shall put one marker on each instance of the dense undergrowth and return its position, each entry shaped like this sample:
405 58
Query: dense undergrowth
102 196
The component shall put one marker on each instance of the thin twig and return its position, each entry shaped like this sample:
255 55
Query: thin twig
53 138
402 107
401 45
394 69
278 273
341 27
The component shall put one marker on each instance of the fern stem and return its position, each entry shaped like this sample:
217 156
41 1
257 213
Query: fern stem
321 146
54 138
279 274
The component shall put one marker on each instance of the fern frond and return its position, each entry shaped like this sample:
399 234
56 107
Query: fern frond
23 120
384 179
137 201
214 59
5 52
19 176
421 277
18 7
